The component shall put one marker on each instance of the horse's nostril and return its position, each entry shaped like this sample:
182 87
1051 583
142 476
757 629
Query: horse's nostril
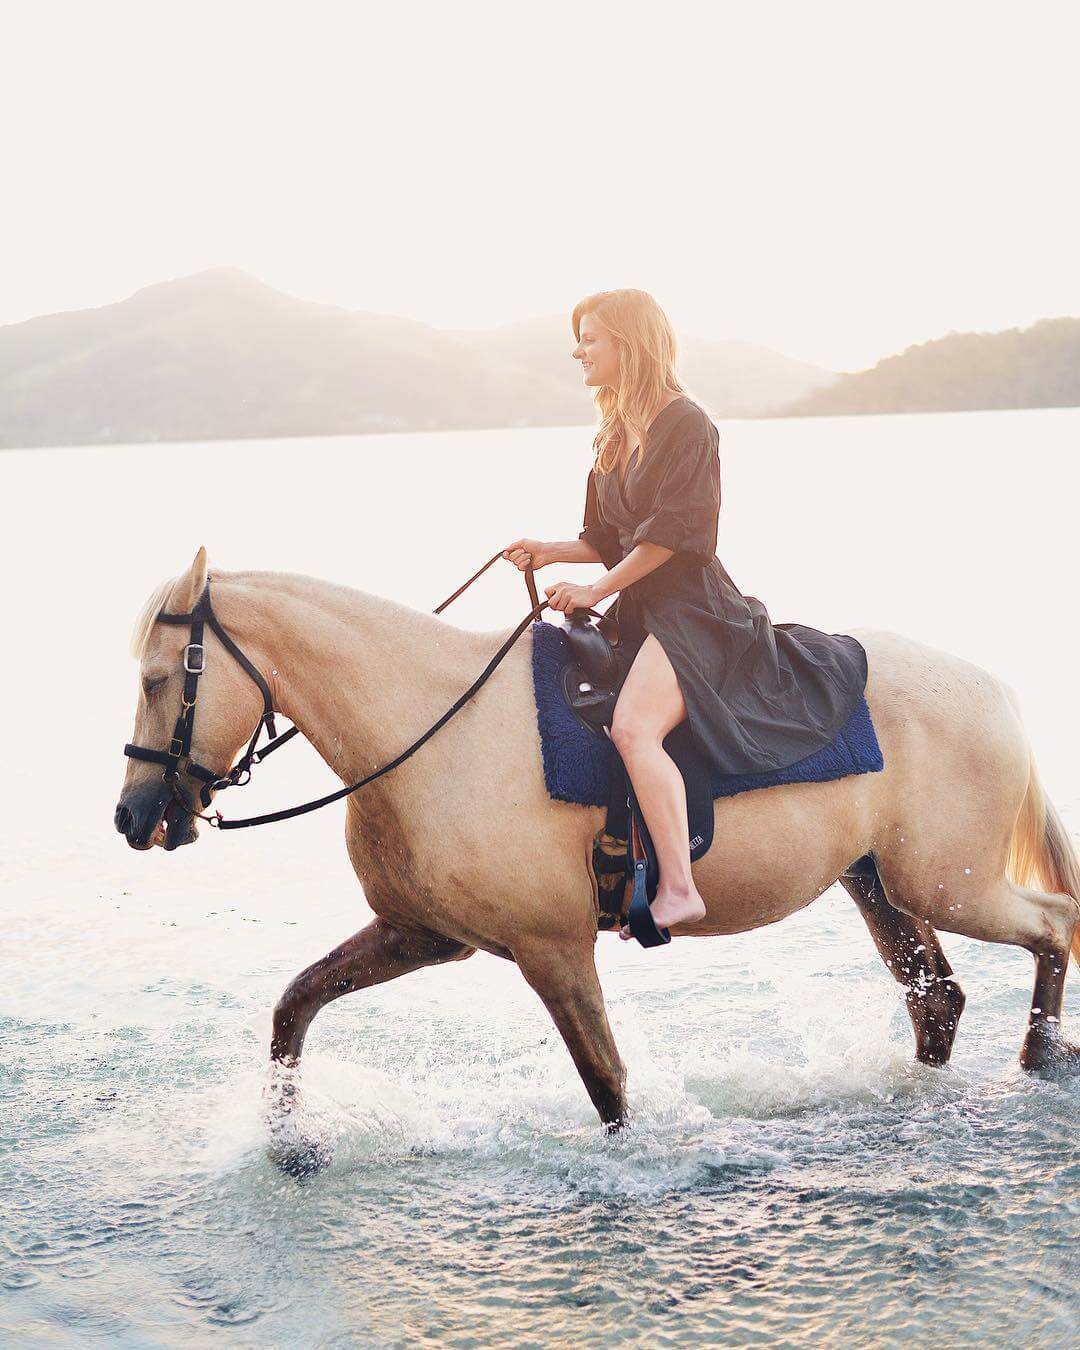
123 819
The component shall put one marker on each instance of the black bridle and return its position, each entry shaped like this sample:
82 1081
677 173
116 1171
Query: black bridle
194 664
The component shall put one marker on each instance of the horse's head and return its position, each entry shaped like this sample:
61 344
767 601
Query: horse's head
162 789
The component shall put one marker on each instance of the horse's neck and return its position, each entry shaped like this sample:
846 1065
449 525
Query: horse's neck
357 673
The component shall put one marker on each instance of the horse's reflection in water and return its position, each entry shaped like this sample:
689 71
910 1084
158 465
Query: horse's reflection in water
460 847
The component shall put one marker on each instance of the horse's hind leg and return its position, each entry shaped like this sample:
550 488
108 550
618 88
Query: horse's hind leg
1042 922
911 950
566 981
1044 1046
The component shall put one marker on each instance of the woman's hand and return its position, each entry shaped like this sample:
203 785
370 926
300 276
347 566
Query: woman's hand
525 553
565 596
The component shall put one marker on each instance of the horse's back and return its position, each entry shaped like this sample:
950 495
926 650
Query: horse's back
925 698
954 752
957 765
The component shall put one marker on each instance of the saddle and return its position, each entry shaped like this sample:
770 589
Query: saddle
623 851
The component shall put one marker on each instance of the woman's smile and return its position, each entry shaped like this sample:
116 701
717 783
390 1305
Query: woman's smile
601 365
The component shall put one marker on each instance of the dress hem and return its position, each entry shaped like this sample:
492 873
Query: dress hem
826 740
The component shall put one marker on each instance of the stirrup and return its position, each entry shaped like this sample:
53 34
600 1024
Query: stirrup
639 917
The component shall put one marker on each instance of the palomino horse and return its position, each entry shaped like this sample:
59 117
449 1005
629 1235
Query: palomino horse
460 847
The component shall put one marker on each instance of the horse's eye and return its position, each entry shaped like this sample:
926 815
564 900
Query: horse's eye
153 683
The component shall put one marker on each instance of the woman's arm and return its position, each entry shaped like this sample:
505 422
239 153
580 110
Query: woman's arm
642 559
537 553
594 542
682 519
571 550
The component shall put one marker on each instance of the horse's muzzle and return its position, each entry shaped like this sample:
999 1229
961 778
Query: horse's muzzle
150 814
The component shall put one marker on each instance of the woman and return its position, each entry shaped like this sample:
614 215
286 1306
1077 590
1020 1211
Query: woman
758 696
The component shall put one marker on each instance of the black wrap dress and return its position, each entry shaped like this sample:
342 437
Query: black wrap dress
758 695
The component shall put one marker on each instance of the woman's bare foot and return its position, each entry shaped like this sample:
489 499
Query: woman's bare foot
672 907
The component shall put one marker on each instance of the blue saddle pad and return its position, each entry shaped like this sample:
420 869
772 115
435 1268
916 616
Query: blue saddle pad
576 762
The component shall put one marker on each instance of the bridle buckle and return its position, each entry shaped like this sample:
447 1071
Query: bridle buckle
189 655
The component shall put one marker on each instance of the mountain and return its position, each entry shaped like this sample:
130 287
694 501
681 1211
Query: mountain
1035 367
221 355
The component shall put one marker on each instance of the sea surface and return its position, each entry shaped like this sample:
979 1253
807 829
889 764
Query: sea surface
792 1175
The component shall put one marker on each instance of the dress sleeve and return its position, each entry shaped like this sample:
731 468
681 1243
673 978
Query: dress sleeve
598 535
686 501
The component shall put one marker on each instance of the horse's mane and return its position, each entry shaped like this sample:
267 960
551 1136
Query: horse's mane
140 634
296 582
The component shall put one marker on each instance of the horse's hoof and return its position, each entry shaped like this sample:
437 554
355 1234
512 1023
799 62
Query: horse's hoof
935 1014
284 1102
302 1158
1047 1051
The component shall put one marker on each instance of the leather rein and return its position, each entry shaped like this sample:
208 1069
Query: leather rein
194 665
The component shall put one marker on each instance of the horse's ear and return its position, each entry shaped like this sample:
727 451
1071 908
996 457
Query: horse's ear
189 586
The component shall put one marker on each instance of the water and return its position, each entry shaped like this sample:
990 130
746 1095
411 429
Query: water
792 1174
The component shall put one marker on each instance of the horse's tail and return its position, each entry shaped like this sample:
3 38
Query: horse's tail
1042 851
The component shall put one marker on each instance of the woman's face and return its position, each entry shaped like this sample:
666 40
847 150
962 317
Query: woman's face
597 353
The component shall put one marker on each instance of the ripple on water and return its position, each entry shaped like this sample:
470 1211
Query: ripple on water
785 1177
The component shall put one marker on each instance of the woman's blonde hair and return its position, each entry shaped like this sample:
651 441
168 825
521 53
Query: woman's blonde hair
646 345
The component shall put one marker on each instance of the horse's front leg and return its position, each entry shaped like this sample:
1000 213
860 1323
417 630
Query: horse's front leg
378 953
566 980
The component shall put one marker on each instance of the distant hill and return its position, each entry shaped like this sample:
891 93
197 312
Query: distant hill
220 355
1036 367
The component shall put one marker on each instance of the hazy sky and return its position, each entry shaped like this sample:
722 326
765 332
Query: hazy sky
835 180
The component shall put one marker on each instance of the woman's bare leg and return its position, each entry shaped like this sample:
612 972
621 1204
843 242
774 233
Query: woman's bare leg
650 704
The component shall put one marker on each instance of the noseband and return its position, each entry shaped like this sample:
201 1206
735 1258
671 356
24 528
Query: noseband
194 663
